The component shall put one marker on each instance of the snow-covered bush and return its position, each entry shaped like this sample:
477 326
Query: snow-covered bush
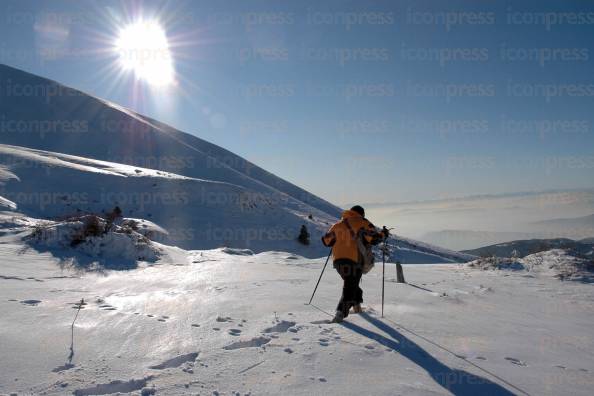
91 241
496 263
561 264
558 263
147 228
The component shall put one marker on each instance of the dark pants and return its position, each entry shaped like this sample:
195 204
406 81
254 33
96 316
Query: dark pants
351 273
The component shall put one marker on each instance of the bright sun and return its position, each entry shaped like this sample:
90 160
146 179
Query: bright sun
143 49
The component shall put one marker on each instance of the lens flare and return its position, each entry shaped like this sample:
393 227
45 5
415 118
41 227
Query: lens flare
143 49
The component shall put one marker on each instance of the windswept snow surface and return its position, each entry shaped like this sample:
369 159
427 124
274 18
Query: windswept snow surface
227 321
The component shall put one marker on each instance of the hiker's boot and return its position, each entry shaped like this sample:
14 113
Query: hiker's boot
338 318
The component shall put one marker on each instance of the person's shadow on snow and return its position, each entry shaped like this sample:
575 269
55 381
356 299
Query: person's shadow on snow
458 382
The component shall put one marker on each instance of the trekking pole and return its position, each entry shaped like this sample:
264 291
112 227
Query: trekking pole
317 284
386 233
383 273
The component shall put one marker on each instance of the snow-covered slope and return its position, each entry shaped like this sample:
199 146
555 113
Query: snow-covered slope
43 114
227 322
63 152
195 212
415 252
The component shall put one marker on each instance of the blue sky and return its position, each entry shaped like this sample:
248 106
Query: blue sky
355 101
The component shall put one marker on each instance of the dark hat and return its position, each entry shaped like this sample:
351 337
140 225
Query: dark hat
359 210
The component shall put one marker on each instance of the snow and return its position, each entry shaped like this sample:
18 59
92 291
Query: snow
119 247
6 203
189 212
556 263
560 264
218 322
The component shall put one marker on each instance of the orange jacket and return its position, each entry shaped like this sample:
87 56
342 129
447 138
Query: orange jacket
343 240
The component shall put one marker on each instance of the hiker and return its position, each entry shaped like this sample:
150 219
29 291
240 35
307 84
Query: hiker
347 257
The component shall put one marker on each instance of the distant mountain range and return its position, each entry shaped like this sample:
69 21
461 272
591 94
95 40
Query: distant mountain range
575 228
526 247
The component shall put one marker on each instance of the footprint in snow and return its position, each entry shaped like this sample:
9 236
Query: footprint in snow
31 303
64 367
176 361
114 387
288 350
79 304
324 342
225 319
516 361
195 325
234 332
254 342
281 327
481 358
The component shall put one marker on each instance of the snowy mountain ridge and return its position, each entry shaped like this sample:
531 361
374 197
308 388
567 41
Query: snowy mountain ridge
203 195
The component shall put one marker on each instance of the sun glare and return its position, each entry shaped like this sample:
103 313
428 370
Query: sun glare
143 49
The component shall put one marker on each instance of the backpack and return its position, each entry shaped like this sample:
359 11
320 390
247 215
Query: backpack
366 257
